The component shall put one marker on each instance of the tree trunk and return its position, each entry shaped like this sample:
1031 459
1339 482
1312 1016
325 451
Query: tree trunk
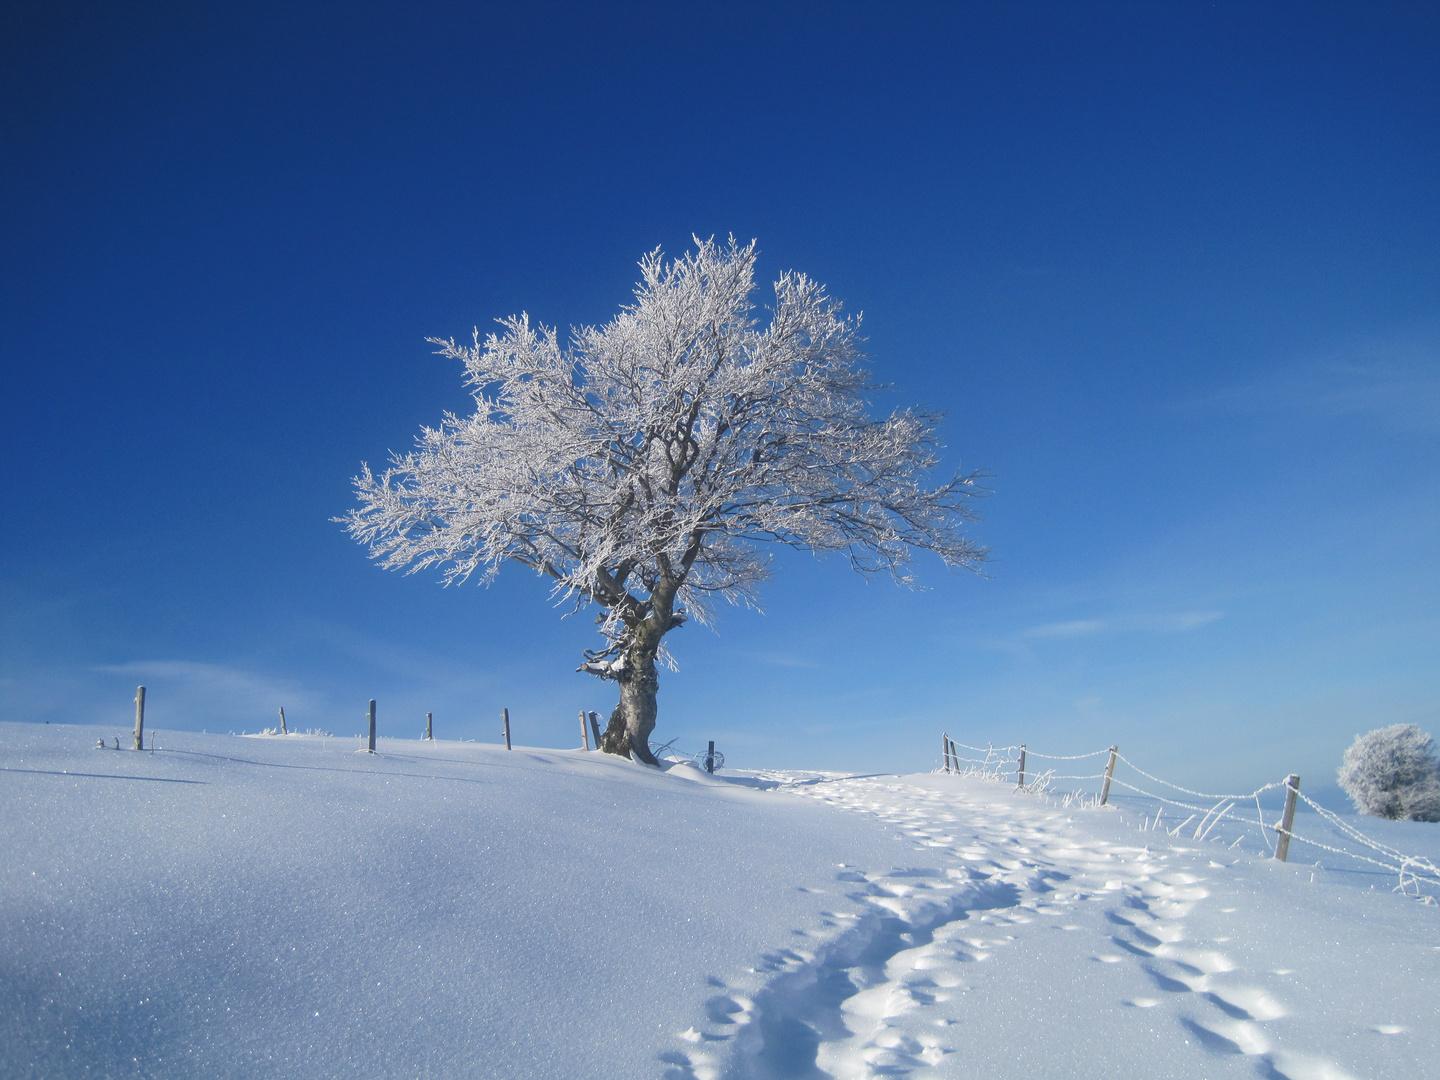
628 733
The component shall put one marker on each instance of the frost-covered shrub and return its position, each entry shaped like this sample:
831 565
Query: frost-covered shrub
1393 773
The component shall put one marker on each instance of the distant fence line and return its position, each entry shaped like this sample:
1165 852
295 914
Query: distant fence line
1416 876
709 759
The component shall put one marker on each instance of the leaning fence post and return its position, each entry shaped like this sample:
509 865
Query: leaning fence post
140 718
1021 781
505 716
1109 773
283 729
954 757
584 731
372 725
945 749
1282 842
595 728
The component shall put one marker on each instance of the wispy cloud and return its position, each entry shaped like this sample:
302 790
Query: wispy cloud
179 694
192 690
1396 381
775 658
786 661
1077 628
1186 620
1151 623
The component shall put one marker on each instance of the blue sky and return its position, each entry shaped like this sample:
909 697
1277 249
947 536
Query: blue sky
1171 270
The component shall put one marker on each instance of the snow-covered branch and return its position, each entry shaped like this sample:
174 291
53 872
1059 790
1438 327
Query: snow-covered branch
643 465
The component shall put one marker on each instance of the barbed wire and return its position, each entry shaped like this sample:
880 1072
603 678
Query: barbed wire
1413 872
1187 791
696 760
1258 820
1399 863
988 761
984 749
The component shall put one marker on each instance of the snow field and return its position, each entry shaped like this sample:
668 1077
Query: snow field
286 907
1030 939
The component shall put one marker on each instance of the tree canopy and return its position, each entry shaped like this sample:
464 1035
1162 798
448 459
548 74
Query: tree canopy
1392 772
644 465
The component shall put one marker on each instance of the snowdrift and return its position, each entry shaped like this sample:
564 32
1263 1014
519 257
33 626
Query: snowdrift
288 907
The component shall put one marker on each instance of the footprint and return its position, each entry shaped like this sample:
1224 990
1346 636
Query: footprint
723 1009
1130 947
1169 985
880 1003
870 1007
1127 917
1290 1066
699 1066
895 1040
1202 961
1230 1036
1179 878
1246 1002
1165 932
939 961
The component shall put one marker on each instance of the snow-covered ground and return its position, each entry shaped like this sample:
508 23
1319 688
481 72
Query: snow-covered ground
288 907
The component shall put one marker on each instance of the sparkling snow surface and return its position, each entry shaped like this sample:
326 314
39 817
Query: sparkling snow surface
287 907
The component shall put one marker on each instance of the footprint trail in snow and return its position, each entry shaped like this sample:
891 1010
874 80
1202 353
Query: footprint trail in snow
1014 921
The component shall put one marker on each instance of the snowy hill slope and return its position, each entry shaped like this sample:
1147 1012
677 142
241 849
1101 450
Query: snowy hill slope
1061 943
284 907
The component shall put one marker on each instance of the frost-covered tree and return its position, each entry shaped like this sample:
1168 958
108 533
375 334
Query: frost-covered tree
642 464
1393 773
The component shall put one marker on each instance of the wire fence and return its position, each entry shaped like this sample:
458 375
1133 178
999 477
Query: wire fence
709 760
1416 876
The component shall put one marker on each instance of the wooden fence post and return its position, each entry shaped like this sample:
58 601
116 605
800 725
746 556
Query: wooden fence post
140 718
954 757
505 716
1021 781
372 725
429 728
945 749
1282 842
584 732
1109 773
710 758
595 728
283 729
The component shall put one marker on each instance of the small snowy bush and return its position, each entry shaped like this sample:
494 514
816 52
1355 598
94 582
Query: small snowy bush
1393 773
